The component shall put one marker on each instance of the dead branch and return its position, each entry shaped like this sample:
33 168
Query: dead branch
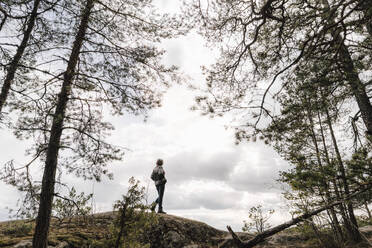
259 238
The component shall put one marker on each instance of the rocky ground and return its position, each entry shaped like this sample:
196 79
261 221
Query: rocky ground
170 232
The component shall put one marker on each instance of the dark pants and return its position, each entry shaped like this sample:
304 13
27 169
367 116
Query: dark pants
160 188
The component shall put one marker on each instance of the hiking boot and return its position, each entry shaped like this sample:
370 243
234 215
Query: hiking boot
161 212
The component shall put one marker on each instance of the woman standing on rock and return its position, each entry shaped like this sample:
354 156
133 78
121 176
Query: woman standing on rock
158 176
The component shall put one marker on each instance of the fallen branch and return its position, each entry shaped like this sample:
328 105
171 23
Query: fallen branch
238 242
259 238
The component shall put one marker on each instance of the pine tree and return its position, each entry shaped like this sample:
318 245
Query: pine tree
269 39
299 139
20 19
102 56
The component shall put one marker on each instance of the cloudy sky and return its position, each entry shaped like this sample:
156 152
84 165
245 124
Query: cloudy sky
209 178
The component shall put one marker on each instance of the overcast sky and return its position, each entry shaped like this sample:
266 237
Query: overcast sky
209 178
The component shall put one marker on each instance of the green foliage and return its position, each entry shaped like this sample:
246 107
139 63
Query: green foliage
74 205
257 219
18 229
364 221
293 86
360 166
99 55
305 230
133 221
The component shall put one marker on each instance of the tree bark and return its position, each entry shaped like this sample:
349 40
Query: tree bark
318 234
335 185
3 22
17 57
357 88
122 225
367 10
367 209
270 232
40 238
325 185
355 234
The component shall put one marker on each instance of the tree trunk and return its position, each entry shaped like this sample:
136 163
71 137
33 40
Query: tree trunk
335 185
40 238
367 209
122 224
259 238
324 183
3 21
367 10
355 234
17 57
318 234
357 88
342 207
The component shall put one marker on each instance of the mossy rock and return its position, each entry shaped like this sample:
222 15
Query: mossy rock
169 232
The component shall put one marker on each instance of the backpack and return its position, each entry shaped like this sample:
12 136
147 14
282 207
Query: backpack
154 176
157 176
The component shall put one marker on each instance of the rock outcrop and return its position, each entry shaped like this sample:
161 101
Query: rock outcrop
170 232
177 232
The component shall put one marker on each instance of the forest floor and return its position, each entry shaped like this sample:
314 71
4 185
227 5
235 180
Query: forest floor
170 232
